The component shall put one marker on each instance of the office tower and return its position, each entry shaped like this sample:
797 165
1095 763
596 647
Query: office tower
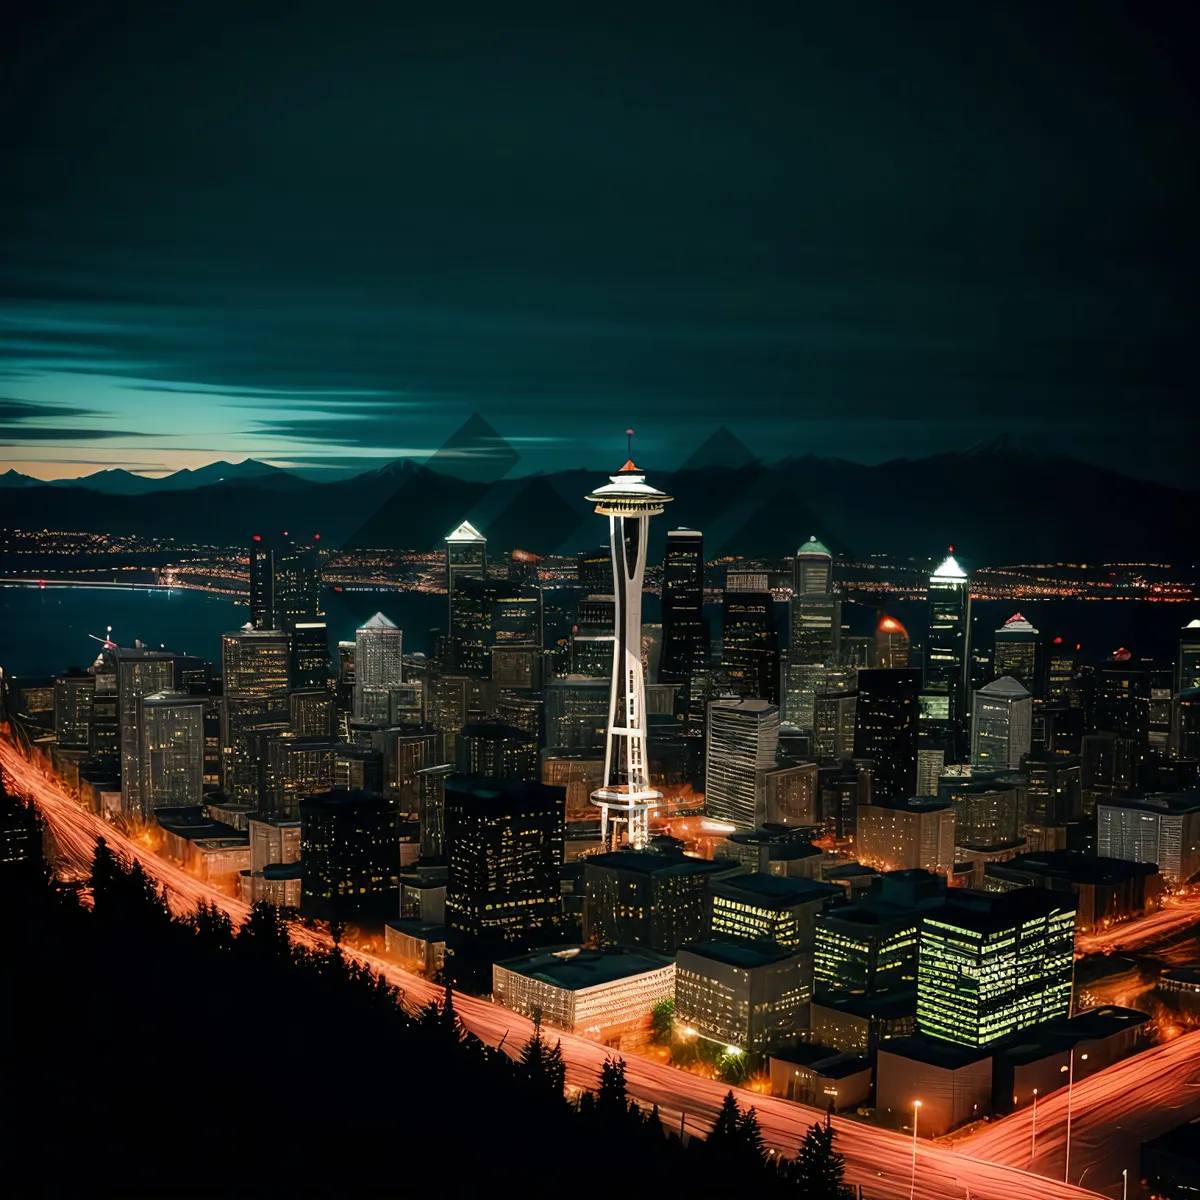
742 739
73 699
891 645
595 571
1162 709
643 898
104 737
254 665
345 663
516 614
171 751
750 645
294 766
1065 685
991 964
431 808
1187 666
576 713
791 794
140 673
930 761
814 630
894 839
285 594
592 639
504 845
378 668
1159 828
1001 724
743 994
833 725
492 750
1108 767
885 730
406 751
986 815
948 645
1017 652
523 568
1187 724
685 635
1120 703
350 851
312 713
774 909
626 798
869 948
245 725
1054 794
466 558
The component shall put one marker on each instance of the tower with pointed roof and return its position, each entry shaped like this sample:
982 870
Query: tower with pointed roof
466 558
891 645
947 647
1017 653
625 798
1001 724
377 661
814 632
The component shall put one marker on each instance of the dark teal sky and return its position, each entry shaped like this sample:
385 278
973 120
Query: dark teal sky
327 233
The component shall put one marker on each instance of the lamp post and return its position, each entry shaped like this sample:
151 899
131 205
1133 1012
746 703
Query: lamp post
1070 1089
912 1188
1124 1183
1033 1135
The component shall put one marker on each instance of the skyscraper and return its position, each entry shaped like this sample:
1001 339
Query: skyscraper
685 636
626 797
891 644
1001 723
885 730
171 751
1187 671
73 698
1017 652
140 673
466 558
750 645
378 665
743 736
285 594
814 630
946 652
254 663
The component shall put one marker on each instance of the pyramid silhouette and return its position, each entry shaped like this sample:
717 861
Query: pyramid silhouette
722 448
475 452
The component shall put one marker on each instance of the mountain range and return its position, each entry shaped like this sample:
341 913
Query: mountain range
997 502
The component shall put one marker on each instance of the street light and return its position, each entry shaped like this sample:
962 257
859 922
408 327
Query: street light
1070 1090
912 1188
1124 1183
1033 1136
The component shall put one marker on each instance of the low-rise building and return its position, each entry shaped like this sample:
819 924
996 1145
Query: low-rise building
416 945
608 995
820 1076
939 1084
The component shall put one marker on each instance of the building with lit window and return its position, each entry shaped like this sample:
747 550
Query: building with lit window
1017 653
947 649
285 594
775 850
495 751
579 773
171 750
73 698
273 840
576 713
869 948
600 994
504 848
312 713
833 724
350 851
293 767
891 645
378 664
140 673
750 645
791 795
920 835
254 664
885 730
466 558
991 964
644 898
749 996
769 908
1001 723
1159 828
742 739
814 630
685 633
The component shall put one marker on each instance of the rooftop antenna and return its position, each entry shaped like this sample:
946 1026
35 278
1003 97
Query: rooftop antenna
629 444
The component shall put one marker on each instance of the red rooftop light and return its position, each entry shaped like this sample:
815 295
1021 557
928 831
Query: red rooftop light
1058 641
258 537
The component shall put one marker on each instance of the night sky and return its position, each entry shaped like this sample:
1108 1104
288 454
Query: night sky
324 234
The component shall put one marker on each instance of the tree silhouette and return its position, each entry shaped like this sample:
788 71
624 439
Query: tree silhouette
818 1168
749 1135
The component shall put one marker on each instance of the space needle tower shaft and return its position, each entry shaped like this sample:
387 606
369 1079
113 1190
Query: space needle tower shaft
626 799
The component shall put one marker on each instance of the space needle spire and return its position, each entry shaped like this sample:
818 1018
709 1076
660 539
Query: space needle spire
625 798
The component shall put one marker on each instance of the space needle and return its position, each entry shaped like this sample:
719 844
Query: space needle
626 797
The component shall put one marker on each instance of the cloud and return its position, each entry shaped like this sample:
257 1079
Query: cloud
29 415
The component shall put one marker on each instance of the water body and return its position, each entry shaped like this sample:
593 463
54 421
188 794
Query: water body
46 630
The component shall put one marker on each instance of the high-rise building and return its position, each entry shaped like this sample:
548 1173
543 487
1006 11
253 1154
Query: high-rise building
350 851
378 667
991 964
1159 828
140 673
294 766
1054 794
791 795
312 713
1017 653
1119 702
891 645
814 631
885 730
750 645
685 635
594 571
775 909
1187 723
833 725
626 797
254 664
907 838
285 594
742 739
948 645
73 699
504 845
643 898
104 737
171 751
466 558
1187 666
1001 723
492 750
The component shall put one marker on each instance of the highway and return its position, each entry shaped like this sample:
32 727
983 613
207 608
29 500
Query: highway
1179 912
879 1160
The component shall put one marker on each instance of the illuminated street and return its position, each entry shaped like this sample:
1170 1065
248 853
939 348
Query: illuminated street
1178 913
879 1160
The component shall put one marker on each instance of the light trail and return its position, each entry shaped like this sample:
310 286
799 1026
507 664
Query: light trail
879 1160
1179 913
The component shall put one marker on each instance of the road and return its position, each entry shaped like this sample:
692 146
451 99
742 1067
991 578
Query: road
878 1159
1178 913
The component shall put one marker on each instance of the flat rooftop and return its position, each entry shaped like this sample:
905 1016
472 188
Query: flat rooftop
746 955
777 891
650 862
573 968
934 1052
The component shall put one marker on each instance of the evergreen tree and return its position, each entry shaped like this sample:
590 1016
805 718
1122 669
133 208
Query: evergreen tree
750 1136
662 1020
724 1135
556 1071
818 1168
107 877
265 934
612 1097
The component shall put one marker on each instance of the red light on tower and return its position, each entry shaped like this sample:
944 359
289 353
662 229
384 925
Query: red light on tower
258 537
316 537
1058 641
